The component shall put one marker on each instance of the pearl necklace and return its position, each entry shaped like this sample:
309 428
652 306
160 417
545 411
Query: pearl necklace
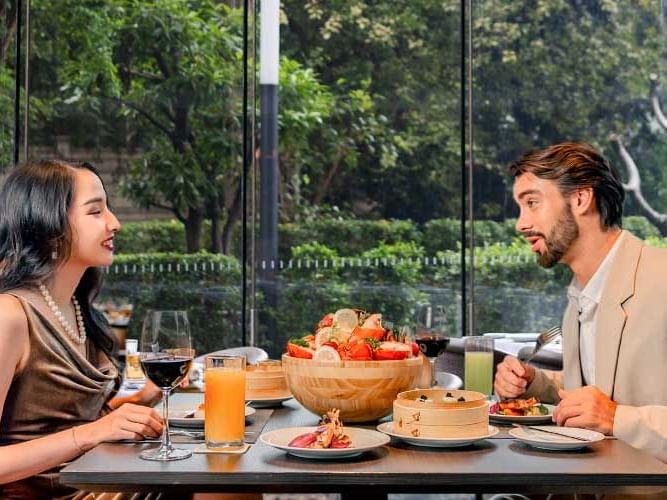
78 337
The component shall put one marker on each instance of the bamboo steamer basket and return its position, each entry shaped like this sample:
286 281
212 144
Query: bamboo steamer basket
439 419
265 382
363 391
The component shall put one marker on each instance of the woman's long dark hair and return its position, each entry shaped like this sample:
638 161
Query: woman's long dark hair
35 236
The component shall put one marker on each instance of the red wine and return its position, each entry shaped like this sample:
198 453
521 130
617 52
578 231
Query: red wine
431 346
166 372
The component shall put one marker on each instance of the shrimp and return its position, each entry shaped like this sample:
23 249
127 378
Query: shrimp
373 321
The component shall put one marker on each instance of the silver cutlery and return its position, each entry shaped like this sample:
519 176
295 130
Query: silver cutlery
543 339
546 431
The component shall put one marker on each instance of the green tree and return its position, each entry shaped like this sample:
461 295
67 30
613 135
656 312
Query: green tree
167 75
391 145
8 17
551 70
172 68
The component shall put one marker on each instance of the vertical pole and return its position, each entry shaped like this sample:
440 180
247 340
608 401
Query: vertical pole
26 82
244 183
471 177
269 51
464 172
17 84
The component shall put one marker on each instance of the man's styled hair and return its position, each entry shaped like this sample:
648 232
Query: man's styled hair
577 165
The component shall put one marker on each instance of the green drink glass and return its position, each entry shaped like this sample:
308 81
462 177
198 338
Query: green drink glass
478 364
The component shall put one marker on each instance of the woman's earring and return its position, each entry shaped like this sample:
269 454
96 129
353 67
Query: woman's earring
54 255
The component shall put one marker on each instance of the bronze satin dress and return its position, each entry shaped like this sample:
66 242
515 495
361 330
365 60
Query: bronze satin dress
59 388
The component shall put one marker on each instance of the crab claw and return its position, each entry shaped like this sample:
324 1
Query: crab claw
303 440
341 442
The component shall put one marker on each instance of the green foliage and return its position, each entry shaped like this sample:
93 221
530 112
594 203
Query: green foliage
6 117
507 279
151 236
318 259
178 267
207 286
640 227
445 234
347 236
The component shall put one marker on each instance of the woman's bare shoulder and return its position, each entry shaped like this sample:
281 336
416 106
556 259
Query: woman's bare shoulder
13 319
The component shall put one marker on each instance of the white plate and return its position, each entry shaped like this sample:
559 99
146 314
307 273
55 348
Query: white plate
362 440
552 442
494 335
180 420
388 428
269 402
531 419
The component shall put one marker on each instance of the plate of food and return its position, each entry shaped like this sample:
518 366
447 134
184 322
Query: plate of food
435 442
328 441
552 437
195 419
524 411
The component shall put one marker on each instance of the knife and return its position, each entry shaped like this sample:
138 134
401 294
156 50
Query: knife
561 434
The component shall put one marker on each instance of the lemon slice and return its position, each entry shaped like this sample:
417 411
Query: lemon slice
345 319
323 335
326 353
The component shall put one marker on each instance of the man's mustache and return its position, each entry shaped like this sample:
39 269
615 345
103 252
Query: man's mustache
528 234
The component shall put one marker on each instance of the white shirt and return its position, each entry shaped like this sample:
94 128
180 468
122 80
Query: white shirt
586 301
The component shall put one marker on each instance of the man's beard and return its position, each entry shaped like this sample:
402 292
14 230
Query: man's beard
564 233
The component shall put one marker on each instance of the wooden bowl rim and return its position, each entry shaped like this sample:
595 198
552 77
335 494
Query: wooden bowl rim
374 363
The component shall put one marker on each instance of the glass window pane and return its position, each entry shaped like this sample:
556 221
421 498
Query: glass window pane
8 69
563 71
370 168
152 95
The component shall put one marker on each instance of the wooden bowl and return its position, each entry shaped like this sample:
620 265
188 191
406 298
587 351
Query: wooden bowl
363 391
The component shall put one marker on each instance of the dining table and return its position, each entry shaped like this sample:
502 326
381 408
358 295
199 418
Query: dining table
500 464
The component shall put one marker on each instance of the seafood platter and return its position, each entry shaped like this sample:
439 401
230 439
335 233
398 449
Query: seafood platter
351 362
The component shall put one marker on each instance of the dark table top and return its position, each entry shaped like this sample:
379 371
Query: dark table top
493 465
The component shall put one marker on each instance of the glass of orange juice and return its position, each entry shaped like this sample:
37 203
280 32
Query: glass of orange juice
224 400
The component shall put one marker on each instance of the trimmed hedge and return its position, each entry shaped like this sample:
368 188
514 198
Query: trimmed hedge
347 237
395 278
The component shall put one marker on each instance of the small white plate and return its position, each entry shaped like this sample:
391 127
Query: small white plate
269 402
181 420
553 442
530 419
388 428
362 440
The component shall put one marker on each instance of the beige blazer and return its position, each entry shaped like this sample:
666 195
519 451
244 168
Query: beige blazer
630 350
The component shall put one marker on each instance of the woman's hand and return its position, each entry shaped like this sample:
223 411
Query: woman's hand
149 395
130 421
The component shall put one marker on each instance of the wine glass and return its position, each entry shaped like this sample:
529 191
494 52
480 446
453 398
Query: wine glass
166 355
431 339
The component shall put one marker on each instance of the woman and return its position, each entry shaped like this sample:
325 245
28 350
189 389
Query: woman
57 372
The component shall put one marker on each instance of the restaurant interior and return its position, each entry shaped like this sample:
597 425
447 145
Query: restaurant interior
296 173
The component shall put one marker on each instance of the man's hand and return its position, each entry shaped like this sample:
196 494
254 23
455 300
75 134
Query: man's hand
587 407
512 378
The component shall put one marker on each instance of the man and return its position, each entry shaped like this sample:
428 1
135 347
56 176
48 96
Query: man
614 377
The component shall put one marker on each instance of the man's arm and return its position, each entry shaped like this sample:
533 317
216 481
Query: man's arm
545 386
643 427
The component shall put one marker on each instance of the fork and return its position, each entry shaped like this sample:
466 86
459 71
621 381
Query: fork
543 339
